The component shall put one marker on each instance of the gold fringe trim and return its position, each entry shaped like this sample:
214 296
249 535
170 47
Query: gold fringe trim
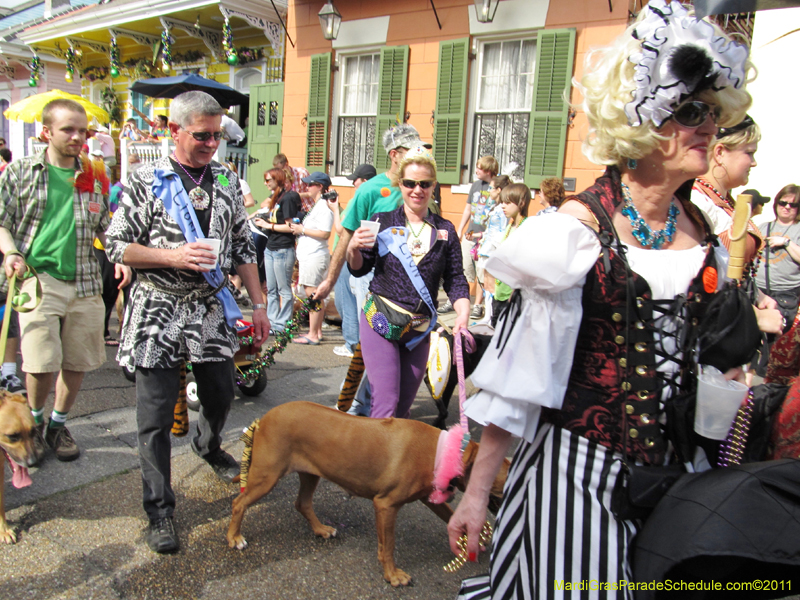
247 453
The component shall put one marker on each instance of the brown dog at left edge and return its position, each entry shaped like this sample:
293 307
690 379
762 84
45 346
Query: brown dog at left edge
389 461
16 441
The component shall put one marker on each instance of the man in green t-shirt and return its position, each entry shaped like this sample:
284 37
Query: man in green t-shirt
52 206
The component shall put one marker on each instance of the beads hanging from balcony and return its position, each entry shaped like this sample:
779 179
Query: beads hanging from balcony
166 51
36 70
115 66
227 44
69 56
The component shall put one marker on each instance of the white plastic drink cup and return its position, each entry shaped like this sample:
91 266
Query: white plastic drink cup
215 245
374 227
718 401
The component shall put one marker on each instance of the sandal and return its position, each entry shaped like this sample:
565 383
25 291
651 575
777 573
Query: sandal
110 341
306 341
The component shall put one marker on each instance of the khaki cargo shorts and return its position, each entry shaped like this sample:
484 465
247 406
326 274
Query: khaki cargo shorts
64 331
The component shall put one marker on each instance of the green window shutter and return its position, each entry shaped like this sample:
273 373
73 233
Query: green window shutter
391 98
319 102
451 97
547 128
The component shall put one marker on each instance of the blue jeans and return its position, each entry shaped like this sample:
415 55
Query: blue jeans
348 310
279 265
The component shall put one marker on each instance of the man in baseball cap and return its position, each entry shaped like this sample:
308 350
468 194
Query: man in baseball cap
361 174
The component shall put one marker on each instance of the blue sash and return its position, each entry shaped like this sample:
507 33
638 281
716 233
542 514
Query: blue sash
168 188
394 240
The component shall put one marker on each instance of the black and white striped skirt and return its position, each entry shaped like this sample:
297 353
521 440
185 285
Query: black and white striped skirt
555 535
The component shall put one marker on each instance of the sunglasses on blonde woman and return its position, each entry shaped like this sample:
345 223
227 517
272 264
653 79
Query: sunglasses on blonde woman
693 114
411 183
787 204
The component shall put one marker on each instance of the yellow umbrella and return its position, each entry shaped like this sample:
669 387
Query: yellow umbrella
30 109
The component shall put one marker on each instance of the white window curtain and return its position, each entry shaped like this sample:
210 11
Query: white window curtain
507 76
358 110
360 86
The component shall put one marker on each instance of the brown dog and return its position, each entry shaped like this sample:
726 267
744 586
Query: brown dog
16 439
390 461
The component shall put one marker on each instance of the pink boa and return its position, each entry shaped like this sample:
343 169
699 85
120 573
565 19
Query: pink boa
448 464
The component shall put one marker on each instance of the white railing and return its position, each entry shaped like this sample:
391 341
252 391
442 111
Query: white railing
238 158
150 151
35 146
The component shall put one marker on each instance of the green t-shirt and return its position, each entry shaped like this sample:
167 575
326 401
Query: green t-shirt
373 196
54 248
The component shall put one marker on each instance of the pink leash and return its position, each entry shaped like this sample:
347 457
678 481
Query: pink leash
453 442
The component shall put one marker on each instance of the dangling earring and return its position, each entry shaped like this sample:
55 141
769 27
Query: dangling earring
632 164
719 165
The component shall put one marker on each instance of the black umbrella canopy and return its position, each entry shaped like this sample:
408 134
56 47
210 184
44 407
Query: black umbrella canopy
703 8
169 87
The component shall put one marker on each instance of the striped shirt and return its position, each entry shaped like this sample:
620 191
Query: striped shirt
23 197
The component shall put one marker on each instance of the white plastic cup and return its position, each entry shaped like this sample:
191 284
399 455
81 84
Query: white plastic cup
718 401
374 227
215 245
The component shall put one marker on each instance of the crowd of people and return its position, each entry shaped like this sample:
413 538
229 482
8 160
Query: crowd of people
599 301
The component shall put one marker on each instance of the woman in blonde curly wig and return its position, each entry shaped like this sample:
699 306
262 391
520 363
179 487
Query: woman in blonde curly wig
607 87
581 369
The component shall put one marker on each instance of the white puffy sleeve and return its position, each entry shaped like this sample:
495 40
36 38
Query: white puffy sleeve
547 258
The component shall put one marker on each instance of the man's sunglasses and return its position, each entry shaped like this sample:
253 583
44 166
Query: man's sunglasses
204 136
693 114
411 183
787 204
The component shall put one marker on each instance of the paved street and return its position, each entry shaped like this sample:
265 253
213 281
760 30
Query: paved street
81 524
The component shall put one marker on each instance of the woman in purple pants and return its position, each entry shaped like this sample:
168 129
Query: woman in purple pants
421 248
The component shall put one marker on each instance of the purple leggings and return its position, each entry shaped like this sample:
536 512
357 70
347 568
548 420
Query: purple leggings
395 372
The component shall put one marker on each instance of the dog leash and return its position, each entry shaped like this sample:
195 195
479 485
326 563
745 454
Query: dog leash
458 351
458 345
18 300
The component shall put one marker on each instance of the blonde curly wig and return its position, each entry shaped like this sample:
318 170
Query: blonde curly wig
608 85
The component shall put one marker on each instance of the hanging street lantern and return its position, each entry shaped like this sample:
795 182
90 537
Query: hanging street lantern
330 20
486 10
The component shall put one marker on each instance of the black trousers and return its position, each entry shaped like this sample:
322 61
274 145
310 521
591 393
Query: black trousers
156 394
110 283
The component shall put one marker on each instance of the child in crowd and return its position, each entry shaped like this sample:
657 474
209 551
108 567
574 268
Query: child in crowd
515 200
551 195
496 223
473 223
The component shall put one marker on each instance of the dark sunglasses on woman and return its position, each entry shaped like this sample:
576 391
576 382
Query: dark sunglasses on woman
693 114
785 204
411 183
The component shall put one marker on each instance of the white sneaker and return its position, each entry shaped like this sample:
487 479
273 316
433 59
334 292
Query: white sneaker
13 385
342 351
